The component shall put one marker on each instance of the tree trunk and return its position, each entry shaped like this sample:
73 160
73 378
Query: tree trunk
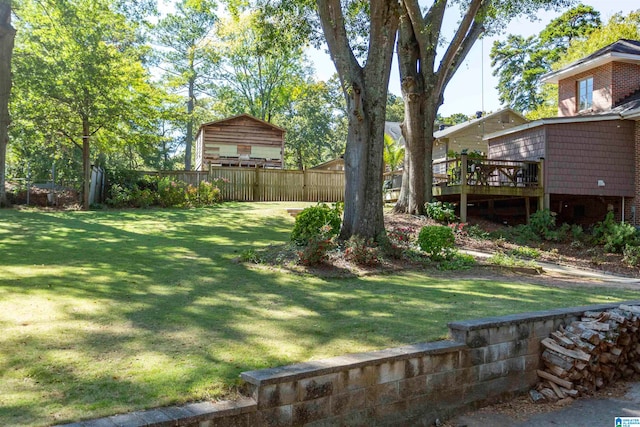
7 36
412 192
423 88
363 214
189 137
365 91
86 163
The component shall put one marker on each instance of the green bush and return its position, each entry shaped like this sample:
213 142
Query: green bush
613 235
441 211
437 241
621 236
475 232
631 255
505 260
525 252
316 221
543 224
171 192
457 261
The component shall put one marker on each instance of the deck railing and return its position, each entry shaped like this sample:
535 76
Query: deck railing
486 172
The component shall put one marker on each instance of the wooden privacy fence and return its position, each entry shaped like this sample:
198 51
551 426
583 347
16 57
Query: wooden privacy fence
269 185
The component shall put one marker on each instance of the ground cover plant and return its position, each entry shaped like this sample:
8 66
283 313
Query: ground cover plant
105 312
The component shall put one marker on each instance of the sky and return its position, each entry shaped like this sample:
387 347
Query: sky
473 87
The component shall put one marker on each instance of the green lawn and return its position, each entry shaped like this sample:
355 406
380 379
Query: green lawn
109 311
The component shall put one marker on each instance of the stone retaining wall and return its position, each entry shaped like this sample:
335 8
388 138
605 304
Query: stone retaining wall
485 360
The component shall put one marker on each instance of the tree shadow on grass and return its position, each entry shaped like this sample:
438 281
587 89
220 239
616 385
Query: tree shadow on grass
147 308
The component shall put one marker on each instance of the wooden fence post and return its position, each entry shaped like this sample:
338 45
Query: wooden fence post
256 186
305 185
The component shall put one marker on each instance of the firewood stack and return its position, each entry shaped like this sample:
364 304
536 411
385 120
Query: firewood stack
589 354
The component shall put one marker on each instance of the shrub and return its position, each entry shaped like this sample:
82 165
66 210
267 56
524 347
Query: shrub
315 251
250 255
436 241
441 211
400 236
475 232
208 193
457 261
361 251
631 255
614 236
543 224
525 252
316 221
505 260
171 192
621 236
142 198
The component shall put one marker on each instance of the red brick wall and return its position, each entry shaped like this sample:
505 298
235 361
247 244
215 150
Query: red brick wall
626 80
602 96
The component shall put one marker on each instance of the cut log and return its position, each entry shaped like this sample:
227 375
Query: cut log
549 394
594 326
572 393
557 391
574 354
557 371
553 379
563 340
630 308
552 358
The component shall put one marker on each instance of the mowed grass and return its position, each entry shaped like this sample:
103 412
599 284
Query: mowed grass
106 312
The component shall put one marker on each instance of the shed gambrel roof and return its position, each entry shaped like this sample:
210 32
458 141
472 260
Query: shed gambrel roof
623 50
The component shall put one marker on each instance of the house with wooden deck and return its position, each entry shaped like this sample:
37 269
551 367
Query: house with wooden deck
240 141
591 149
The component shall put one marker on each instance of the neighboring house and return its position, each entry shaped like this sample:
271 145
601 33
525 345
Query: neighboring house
592 149
390 128
239 141
469 135
331 165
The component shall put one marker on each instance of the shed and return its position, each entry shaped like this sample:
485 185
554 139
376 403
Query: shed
241 140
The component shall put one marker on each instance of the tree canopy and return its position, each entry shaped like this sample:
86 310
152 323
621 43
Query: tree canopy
519 62
79 78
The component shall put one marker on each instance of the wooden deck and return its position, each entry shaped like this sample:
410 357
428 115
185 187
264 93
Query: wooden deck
486 179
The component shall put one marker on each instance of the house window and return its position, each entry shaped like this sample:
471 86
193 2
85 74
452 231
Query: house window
585 94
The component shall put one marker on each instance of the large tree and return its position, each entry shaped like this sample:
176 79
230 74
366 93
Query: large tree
79 76
618 27
365 90
186 56
423 80
520 62
313 127
260 68
7 35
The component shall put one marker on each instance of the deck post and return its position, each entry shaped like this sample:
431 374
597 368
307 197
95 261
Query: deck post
527 208
463 187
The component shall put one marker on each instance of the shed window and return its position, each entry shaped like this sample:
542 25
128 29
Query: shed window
585 93
244 150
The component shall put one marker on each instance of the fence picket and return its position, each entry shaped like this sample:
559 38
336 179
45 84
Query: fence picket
269 185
